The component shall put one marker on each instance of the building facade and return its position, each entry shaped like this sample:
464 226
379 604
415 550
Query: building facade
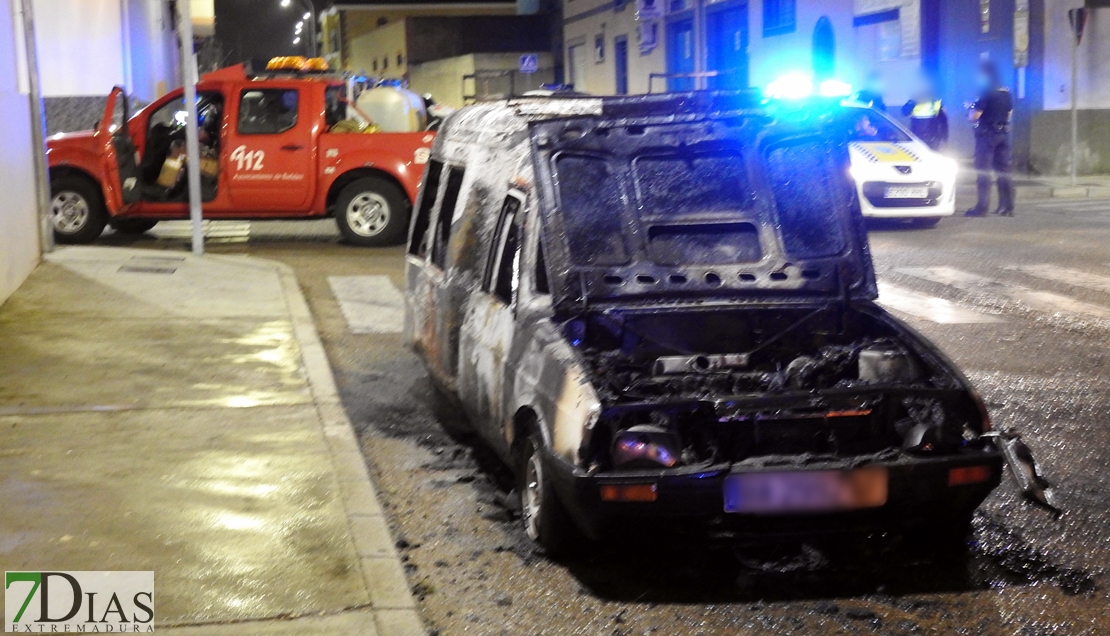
640 46
86 47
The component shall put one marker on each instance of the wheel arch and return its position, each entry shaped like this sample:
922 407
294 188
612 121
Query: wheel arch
526 420
349 177
72 172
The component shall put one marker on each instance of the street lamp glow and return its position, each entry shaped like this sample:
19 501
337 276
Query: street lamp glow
285 3
300 24
297 40
307 15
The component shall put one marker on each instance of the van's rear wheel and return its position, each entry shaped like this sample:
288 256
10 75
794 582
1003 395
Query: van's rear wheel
132 226
77 211
372 211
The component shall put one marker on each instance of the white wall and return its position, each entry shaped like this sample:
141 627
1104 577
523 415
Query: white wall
87 46
19 243
1094 71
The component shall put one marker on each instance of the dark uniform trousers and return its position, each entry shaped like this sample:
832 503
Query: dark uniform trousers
992 151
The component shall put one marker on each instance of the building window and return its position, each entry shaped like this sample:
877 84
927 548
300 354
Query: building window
985 16
779 17
599 48
400 59
385 62
676 5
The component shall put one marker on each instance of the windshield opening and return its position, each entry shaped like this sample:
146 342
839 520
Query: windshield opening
867 125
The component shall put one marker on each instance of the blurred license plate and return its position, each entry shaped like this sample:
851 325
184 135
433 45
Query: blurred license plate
907 192
806 491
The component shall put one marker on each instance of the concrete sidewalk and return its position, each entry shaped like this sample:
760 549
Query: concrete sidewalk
178 414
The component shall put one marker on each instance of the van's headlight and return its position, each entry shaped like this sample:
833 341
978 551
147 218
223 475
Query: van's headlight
645 446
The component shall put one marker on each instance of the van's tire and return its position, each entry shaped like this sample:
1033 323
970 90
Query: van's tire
545 519
77 210
132 226
372 212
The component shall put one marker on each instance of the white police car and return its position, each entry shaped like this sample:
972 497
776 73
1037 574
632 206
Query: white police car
897 175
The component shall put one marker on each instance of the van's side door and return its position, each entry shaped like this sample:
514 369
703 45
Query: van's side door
271 150
419 301
489 326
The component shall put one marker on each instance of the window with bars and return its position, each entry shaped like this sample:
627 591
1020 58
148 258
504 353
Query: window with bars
779 17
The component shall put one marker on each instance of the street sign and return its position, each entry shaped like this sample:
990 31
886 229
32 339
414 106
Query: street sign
529 63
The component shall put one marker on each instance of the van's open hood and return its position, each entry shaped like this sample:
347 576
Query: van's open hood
708 197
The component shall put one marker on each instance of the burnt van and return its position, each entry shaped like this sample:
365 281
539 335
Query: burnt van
659 310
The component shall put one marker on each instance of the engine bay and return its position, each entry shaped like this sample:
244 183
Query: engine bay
699 387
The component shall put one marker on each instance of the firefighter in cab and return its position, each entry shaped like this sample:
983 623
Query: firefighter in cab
928 119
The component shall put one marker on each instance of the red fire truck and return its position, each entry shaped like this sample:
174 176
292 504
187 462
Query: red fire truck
275 145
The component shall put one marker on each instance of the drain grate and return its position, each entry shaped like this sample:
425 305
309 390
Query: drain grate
146 269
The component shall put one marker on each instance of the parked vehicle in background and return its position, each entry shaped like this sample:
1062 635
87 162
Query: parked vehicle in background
897 175
660 312
275 145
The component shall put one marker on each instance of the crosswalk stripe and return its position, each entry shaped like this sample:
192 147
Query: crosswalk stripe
1037 300
371 304
1065 275
930 308
220 231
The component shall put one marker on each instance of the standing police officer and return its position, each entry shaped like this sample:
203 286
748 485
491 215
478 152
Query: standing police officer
991 115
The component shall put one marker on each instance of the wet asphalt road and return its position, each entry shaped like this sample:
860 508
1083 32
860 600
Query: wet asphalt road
1023 306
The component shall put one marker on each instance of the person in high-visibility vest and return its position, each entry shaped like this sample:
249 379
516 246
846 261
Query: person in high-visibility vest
928 119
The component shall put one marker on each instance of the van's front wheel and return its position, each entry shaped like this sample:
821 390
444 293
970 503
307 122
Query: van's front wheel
372 212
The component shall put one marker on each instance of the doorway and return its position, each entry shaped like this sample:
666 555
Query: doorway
824 50
577 56
680 54
726 39
620 61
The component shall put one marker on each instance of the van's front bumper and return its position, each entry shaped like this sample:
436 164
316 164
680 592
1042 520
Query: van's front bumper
918 494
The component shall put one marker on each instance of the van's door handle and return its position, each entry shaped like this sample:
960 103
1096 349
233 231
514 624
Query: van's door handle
291 147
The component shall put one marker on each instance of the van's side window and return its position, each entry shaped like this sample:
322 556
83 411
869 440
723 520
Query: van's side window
419 244
446 212
542 286
501 276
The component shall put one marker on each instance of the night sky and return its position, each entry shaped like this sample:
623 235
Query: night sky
260 29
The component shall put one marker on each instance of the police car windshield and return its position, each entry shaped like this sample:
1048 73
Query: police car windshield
865 124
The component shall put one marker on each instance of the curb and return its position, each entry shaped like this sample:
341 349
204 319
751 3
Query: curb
394 608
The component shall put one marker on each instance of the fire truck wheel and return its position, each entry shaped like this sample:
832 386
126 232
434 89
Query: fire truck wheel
132 226
76 210
372 212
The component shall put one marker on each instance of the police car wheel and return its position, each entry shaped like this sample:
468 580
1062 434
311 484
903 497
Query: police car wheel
372 211
77 211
